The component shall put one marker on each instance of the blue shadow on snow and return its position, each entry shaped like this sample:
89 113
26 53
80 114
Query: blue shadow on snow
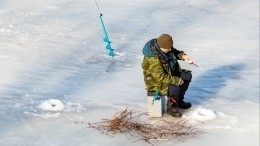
212 81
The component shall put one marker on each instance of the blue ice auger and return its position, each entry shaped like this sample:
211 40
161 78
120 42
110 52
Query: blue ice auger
106 39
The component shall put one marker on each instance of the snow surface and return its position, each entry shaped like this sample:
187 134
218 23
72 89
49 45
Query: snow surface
55 72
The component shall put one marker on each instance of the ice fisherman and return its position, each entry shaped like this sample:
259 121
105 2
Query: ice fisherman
163 74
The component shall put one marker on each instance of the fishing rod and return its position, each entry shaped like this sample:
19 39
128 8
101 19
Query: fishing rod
197 66
190 61
194 64
106 38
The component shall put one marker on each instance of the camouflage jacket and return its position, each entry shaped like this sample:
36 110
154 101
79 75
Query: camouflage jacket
160 69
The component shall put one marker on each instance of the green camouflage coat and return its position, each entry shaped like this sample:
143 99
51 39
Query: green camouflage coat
160 69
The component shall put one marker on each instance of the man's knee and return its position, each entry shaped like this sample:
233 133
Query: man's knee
186 76
174 91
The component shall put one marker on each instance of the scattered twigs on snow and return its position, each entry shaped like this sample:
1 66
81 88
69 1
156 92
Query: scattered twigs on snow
130 122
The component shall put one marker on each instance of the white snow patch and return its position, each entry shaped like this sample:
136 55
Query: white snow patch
104 57
7 140
47 115
53 105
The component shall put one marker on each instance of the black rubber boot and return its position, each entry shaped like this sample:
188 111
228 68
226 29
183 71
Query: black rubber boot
182 104
172 108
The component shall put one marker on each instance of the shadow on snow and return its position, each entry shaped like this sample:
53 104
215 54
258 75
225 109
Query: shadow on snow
211 82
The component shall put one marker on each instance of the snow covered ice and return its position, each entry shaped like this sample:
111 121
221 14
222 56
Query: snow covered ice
55 72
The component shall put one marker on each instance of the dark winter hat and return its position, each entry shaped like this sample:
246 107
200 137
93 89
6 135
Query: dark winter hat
165 41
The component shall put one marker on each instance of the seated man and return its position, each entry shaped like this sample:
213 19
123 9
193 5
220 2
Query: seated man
163 75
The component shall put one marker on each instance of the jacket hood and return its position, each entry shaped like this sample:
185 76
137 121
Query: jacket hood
147 52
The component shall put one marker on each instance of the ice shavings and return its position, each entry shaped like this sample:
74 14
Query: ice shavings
200 115
53 105
221 121
53 108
